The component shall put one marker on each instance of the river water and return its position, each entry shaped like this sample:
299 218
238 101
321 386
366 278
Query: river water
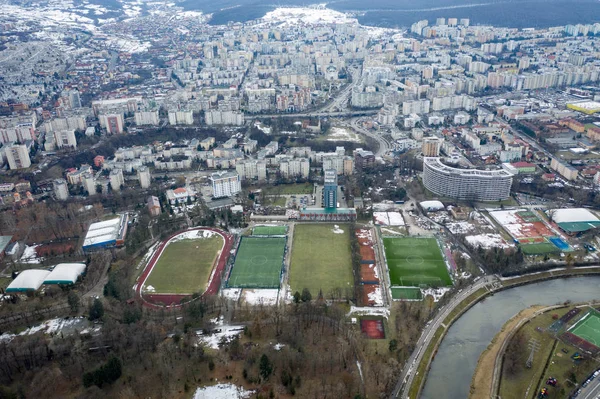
454 365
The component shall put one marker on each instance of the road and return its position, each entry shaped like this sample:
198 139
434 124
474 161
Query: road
529 140
341 101
384 146
406 377
314 114
592 391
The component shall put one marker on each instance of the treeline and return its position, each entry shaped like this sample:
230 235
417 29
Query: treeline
496 260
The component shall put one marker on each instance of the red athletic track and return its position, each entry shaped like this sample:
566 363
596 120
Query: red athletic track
158 301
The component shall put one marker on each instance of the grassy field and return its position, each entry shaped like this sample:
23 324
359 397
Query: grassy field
415 262
258 263
515 386
539 248
321 259
269 230
185 266
289 189
276 201
564 369
406 293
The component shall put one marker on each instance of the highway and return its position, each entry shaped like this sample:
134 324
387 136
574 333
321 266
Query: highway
384 146
406 377
314 114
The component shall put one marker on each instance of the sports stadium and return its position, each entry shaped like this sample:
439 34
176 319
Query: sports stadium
187 263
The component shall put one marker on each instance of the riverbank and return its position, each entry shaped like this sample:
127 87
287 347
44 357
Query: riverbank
421 370
491 359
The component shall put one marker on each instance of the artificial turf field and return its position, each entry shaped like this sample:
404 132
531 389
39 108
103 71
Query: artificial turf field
258 263
588 328
269 230
321 259
406 293
185 266
539 248
415 262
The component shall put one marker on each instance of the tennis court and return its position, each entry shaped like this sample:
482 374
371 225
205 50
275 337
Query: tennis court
269 230
258 263
588 328
415 262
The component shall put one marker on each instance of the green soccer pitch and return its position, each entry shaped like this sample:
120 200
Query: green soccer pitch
321 258
415 262
588 328
269 230
258 263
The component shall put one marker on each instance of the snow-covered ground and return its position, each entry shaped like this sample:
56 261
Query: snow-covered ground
369 311
489 240
341 134
49 327
289 16
193 235
396 219
460 227
260 297
232 293
30 256
388 218
222 391
506 217
223 333
376 296
436 293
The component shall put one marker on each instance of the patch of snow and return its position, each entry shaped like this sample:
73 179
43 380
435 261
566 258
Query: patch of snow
261 297
369 311
436 293
506 217
50 327
231 293
30 255
222 334
489 240
359 370
337 230
222 391
341 134
376 296
460 227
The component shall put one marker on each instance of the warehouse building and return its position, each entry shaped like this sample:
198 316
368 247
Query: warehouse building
574 220
107 234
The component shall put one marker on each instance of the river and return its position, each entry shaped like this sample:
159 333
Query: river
453 367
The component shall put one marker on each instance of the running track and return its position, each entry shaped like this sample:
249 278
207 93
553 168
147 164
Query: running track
158 301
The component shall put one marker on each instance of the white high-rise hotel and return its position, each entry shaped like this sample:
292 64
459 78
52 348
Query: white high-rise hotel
466 184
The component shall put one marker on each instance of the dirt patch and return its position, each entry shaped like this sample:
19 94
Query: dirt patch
481 384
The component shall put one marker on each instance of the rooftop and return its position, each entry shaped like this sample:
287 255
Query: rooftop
437 164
